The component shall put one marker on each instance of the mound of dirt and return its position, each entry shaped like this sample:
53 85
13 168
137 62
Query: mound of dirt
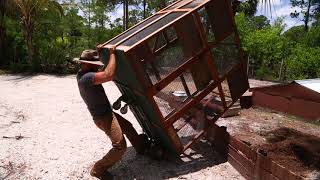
293 149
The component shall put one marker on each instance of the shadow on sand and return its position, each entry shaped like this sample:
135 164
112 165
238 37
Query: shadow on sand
133 166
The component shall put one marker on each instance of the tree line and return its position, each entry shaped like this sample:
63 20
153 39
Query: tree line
45 35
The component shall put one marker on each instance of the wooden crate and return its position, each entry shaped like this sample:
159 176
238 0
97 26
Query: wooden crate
180 70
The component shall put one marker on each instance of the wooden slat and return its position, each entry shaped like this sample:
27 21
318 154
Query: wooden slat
242 159
239 167
171 119
275 169
177 10
196 138
245 149
265 175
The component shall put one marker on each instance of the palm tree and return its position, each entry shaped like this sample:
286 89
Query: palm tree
29 11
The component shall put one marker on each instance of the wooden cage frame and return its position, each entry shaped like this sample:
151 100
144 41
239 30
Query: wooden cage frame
139 49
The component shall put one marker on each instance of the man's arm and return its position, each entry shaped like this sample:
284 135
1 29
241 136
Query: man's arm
108 73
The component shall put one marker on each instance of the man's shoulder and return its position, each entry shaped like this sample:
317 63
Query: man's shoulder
86 78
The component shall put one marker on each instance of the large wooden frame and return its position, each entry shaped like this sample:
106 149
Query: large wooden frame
146 86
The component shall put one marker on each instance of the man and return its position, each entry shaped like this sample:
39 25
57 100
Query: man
91 90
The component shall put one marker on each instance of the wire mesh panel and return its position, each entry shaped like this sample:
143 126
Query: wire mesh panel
226 92
238 82
204 17
213 105
226 55
178 4
152 28
193 4
220 18
189 36
190 124
165 62
134 29
174 95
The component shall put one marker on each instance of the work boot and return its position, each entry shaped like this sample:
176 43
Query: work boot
143 144
106 175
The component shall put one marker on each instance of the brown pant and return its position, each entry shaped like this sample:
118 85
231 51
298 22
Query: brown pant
115 126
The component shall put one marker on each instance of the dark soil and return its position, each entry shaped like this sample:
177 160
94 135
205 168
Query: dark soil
293 149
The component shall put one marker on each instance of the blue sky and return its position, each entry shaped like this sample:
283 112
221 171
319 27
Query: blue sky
280 8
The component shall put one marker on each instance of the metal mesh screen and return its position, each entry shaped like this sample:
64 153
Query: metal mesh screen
213 105
226 92
152 28
220 18
131 31
164 63
206 24
178 4
193 4
190 124
238 83
226 55
173 96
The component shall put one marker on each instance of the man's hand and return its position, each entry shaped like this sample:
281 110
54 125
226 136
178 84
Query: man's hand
108 73
112 49
99 47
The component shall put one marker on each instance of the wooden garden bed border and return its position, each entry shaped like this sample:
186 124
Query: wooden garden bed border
251 164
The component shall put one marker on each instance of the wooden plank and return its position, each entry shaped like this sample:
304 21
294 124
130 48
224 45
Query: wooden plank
245 149
265 175
275 169
239 167
189 104
177 10
242 159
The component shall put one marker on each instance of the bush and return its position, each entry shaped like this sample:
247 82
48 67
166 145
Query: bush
303 63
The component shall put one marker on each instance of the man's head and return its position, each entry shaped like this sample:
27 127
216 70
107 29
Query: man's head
89 61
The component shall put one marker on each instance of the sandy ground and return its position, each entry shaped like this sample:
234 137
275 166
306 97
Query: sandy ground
47 133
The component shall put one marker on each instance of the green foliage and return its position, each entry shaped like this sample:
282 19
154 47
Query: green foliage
303 63
293 54
61 32
308 10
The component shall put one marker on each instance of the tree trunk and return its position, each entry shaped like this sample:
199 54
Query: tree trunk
2 30
163 4
28 36
144 9
307 17
89 37
125 14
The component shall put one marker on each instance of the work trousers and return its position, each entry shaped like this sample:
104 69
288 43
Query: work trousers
115 126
